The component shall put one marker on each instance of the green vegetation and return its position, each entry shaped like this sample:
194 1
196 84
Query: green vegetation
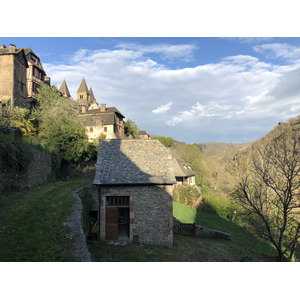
59 128
131 129
166 141
244 246
14 154
268 184
240 237
193 156
18 117
32 223
187 195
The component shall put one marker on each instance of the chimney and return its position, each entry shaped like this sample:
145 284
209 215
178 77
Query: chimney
3 46
12 48
103 108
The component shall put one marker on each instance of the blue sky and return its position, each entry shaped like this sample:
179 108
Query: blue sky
192 89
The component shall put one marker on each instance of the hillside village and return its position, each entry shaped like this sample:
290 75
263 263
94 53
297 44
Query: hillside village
136 186
125 159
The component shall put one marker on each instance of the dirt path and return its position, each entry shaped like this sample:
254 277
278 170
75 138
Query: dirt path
81 252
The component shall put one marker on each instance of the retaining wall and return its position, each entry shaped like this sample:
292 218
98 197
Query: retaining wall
39 171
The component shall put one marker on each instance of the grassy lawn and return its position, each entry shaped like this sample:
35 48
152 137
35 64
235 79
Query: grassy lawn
31 222
243 247
240 237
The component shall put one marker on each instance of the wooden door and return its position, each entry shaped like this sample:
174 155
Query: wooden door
111 231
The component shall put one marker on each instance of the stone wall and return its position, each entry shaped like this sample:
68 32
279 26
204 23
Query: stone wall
13 79
6 75
196 230
151 212
39 171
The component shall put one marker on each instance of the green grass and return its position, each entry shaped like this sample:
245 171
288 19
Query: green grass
243 247
240 237
31 222
185 249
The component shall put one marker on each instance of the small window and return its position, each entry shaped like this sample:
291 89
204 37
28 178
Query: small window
105 129
81 96
91 129
117 200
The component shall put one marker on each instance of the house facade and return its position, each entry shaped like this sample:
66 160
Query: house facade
21 74
134 180
144 135
183 172
13 68
35 76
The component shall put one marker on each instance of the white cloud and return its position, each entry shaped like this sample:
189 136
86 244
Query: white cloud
239 95
277 50
162 108
167 51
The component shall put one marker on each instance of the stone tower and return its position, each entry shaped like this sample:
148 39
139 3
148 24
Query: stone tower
83 96
64 90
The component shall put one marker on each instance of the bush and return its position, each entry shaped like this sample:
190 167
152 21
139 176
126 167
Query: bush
13 153
217 203
166 141
187 195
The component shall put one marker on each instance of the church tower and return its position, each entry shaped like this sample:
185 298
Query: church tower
83 96
64 90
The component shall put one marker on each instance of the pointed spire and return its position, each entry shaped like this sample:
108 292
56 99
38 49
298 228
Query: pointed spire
83 87
64 90
92 97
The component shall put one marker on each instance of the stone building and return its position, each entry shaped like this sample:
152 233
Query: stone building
13 68
135 179
183 172
144 135
21 74
35 76
100 122
85 97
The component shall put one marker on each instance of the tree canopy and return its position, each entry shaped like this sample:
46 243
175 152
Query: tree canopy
269 189
131 129
58 126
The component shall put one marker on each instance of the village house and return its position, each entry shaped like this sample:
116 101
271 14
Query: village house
100 122
144 135
135 180
21 74
183 172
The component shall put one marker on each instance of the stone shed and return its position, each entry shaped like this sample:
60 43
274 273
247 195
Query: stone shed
135 180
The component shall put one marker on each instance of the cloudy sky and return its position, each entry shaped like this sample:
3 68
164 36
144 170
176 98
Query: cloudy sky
192 89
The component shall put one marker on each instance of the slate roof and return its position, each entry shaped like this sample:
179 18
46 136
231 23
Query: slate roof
108 110
143 132
38 62
83 87
133 162
182 169
92 97
64 89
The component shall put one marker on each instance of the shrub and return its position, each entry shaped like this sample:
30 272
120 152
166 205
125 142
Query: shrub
166 141
217 203
187 195
13 153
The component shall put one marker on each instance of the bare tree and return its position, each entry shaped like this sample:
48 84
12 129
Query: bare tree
269 188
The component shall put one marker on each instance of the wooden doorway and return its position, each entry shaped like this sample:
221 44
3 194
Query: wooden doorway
117 218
